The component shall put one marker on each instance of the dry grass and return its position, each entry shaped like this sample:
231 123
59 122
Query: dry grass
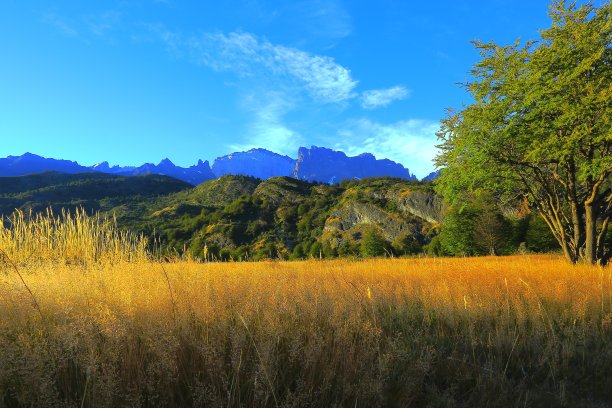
68 237
511 331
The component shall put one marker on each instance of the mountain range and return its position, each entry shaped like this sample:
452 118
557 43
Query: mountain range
314 164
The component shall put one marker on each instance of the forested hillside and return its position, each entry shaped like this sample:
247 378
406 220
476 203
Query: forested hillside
244 218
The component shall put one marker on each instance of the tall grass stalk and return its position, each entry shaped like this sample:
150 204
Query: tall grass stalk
71 237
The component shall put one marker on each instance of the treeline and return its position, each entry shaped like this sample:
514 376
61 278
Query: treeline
481 227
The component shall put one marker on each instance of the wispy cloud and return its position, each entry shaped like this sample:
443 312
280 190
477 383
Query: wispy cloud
334 20
322 77
377 98
100 24
322 19
267 128
61 24
410 142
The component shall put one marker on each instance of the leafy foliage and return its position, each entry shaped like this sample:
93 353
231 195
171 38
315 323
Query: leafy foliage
540 129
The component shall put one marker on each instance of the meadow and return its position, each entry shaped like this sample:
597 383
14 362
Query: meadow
88 318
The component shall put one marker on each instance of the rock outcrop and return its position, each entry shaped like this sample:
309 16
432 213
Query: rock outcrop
355 214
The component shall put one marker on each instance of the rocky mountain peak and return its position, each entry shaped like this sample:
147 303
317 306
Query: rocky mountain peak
330 166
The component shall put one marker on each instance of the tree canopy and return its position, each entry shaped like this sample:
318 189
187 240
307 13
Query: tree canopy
539 129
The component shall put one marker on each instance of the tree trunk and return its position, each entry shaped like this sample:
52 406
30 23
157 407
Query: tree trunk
590 252
577 221
559 234
577 215
568 255
602 251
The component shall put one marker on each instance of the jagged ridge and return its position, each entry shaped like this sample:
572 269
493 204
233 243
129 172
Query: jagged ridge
312 164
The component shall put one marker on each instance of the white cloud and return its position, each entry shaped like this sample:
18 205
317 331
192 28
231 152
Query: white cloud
410 142
247 55
267 128
377 98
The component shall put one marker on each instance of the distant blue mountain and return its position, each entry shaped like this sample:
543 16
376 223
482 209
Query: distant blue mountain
104 167
313 164
30 164
260 163
195 175
330 166
432 176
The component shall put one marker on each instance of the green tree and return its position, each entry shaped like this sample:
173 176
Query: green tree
434 248
373 244
477 227
540 129
316 250
298 252
492 232
457 235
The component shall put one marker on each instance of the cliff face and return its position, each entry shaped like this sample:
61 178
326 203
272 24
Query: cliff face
260 163
394 212
330 166
420 203
354 215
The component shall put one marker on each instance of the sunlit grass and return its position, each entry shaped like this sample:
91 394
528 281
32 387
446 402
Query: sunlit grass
68 237
496 331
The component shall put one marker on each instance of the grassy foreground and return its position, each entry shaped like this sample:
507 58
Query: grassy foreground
498 331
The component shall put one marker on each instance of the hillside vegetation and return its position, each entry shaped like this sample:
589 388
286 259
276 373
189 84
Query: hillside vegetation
244 218
91 192
491 331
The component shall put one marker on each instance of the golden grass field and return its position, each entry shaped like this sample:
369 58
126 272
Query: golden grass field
124 330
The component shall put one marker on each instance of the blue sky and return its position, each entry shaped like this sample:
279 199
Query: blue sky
134 81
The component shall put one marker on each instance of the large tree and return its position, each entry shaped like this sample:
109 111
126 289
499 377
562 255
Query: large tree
539 129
